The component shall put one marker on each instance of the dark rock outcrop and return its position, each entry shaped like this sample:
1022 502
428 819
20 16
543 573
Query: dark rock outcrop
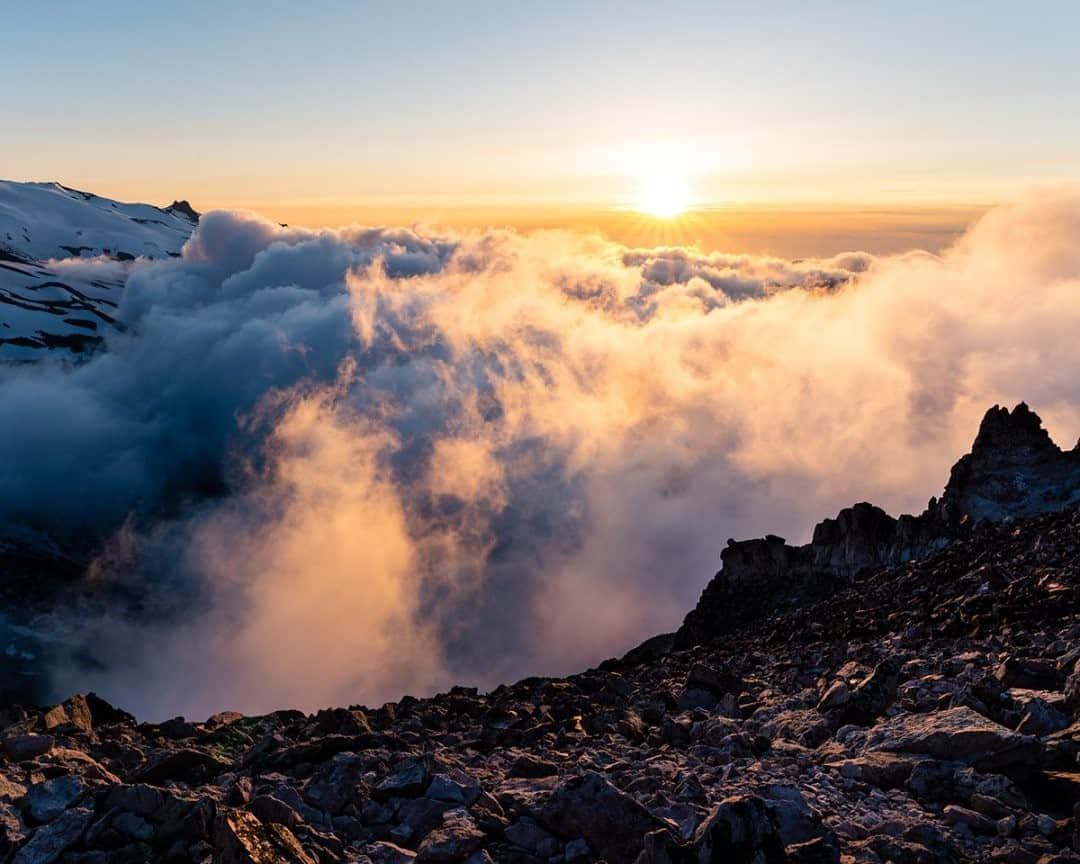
1014 470
184 209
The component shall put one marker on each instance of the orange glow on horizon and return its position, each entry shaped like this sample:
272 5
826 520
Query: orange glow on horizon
787 231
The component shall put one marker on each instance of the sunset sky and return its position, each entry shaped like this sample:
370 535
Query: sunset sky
499 319
553 113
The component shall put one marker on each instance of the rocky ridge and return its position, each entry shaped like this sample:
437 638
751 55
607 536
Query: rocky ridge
921 710
1014 470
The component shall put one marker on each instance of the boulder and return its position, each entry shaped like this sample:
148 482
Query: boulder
874 693
716 678
20 748
959 734
50 798
50 841
417 816
1042 717
589 806
835 696
240 838
976 822
793 817
458 837
408 779
804 725
267 808
526 834
884 770
454 786
187 765
1027 672
72 715
336 783
738 830
936 782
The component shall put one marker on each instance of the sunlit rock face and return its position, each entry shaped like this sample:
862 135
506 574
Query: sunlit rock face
1014 470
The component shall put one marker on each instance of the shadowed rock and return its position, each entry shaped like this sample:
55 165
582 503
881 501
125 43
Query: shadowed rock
1014 470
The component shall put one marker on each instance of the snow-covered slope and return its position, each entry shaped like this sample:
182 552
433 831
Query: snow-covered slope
48 220
50 297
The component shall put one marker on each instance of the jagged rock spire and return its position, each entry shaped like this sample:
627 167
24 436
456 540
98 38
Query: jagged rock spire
1014 469
1004 430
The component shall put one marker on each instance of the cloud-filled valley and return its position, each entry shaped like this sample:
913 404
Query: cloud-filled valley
336 466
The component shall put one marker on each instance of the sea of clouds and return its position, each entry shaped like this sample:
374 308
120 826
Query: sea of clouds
329 467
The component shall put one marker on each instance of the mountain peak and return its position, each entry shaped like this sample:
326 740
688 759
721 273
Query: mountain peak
1004 430
184 208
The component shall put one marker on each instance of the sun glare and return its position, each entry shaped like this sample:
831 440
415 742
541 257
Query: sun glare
663 195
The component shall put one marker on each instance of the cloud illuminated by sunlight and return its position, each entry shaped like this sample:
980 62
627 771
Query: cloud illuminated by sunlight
471 457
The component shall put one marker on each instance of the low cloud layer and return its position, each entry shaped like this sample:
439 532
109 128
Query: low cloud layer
338 466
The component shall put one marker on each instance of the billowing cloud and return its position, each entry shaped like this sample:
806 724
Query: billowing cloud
353 463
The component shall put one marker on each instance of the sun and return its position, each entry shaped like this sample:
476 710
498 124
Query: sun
663 195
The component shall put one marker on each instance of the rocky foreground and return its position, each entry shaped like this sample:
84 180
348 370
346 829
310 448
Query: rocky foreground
922 710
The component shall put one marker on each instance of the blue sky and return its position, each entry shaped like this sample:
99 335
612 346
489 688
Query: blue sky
337 102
